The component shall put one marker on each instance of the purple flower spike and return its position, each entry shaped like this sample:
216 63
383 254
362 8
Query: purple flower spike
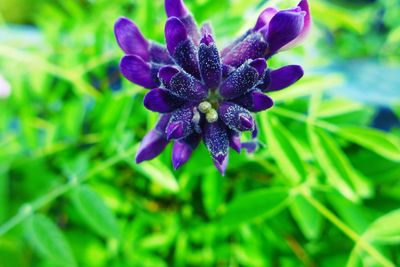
204 94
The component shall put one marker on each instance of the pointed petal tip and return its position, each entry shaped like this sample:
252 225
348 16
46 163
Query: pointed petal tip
221 167
176 8
181 153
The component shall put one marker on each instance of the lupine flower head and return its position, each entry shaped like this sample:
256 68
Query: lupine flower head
206 94
5 88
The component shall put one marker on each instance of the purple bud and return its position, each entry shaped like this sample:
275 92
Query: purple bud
174 130
175 34
130 39
175 8
151 146
181 153
236 117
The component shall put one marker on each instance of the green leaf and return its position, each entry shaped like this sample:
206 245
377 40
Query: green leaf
306 216
281 145
337 107
45 237
256 204
382 143
386 228
336 166
212 188
156 171
94 212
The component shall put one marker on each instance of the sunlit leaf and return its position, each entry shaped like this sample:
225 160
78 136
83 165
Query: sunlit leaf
281 145
94 212
334 163
306 216
382 143
386 228
156 171
256 204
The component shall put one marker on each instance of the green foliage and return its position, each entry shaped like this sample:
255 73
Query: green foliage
322 190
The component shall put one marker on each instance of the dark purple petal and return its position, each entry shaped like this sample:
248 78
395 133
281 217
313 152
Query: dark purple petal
182 150
159 54
227 49
284 27
130 39
236 117
306 28
209 62
138 71
254 101
151 146
234 141
284 77
175 8
175 34
166 73
239 82
216 140
221 167
162 123
174 130
265 18
254 46
186 57
266 81
181 123
186 87
191 28
260 65
161 100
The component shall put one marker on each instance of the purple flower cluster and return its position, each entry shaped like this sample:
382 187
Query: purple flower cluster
204 94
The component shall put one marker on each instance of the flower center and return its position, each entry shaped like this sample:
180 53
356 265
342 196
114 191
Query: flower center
210 105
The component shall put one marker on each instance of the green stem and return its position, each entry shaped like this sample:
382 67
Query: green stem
27 209
362 243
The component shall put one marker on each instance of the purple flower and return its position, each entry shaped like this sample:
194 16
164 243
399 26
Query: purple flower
204 94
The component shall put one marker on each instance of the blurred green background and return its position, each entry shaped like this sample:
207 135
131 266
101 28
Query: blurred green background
323 190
